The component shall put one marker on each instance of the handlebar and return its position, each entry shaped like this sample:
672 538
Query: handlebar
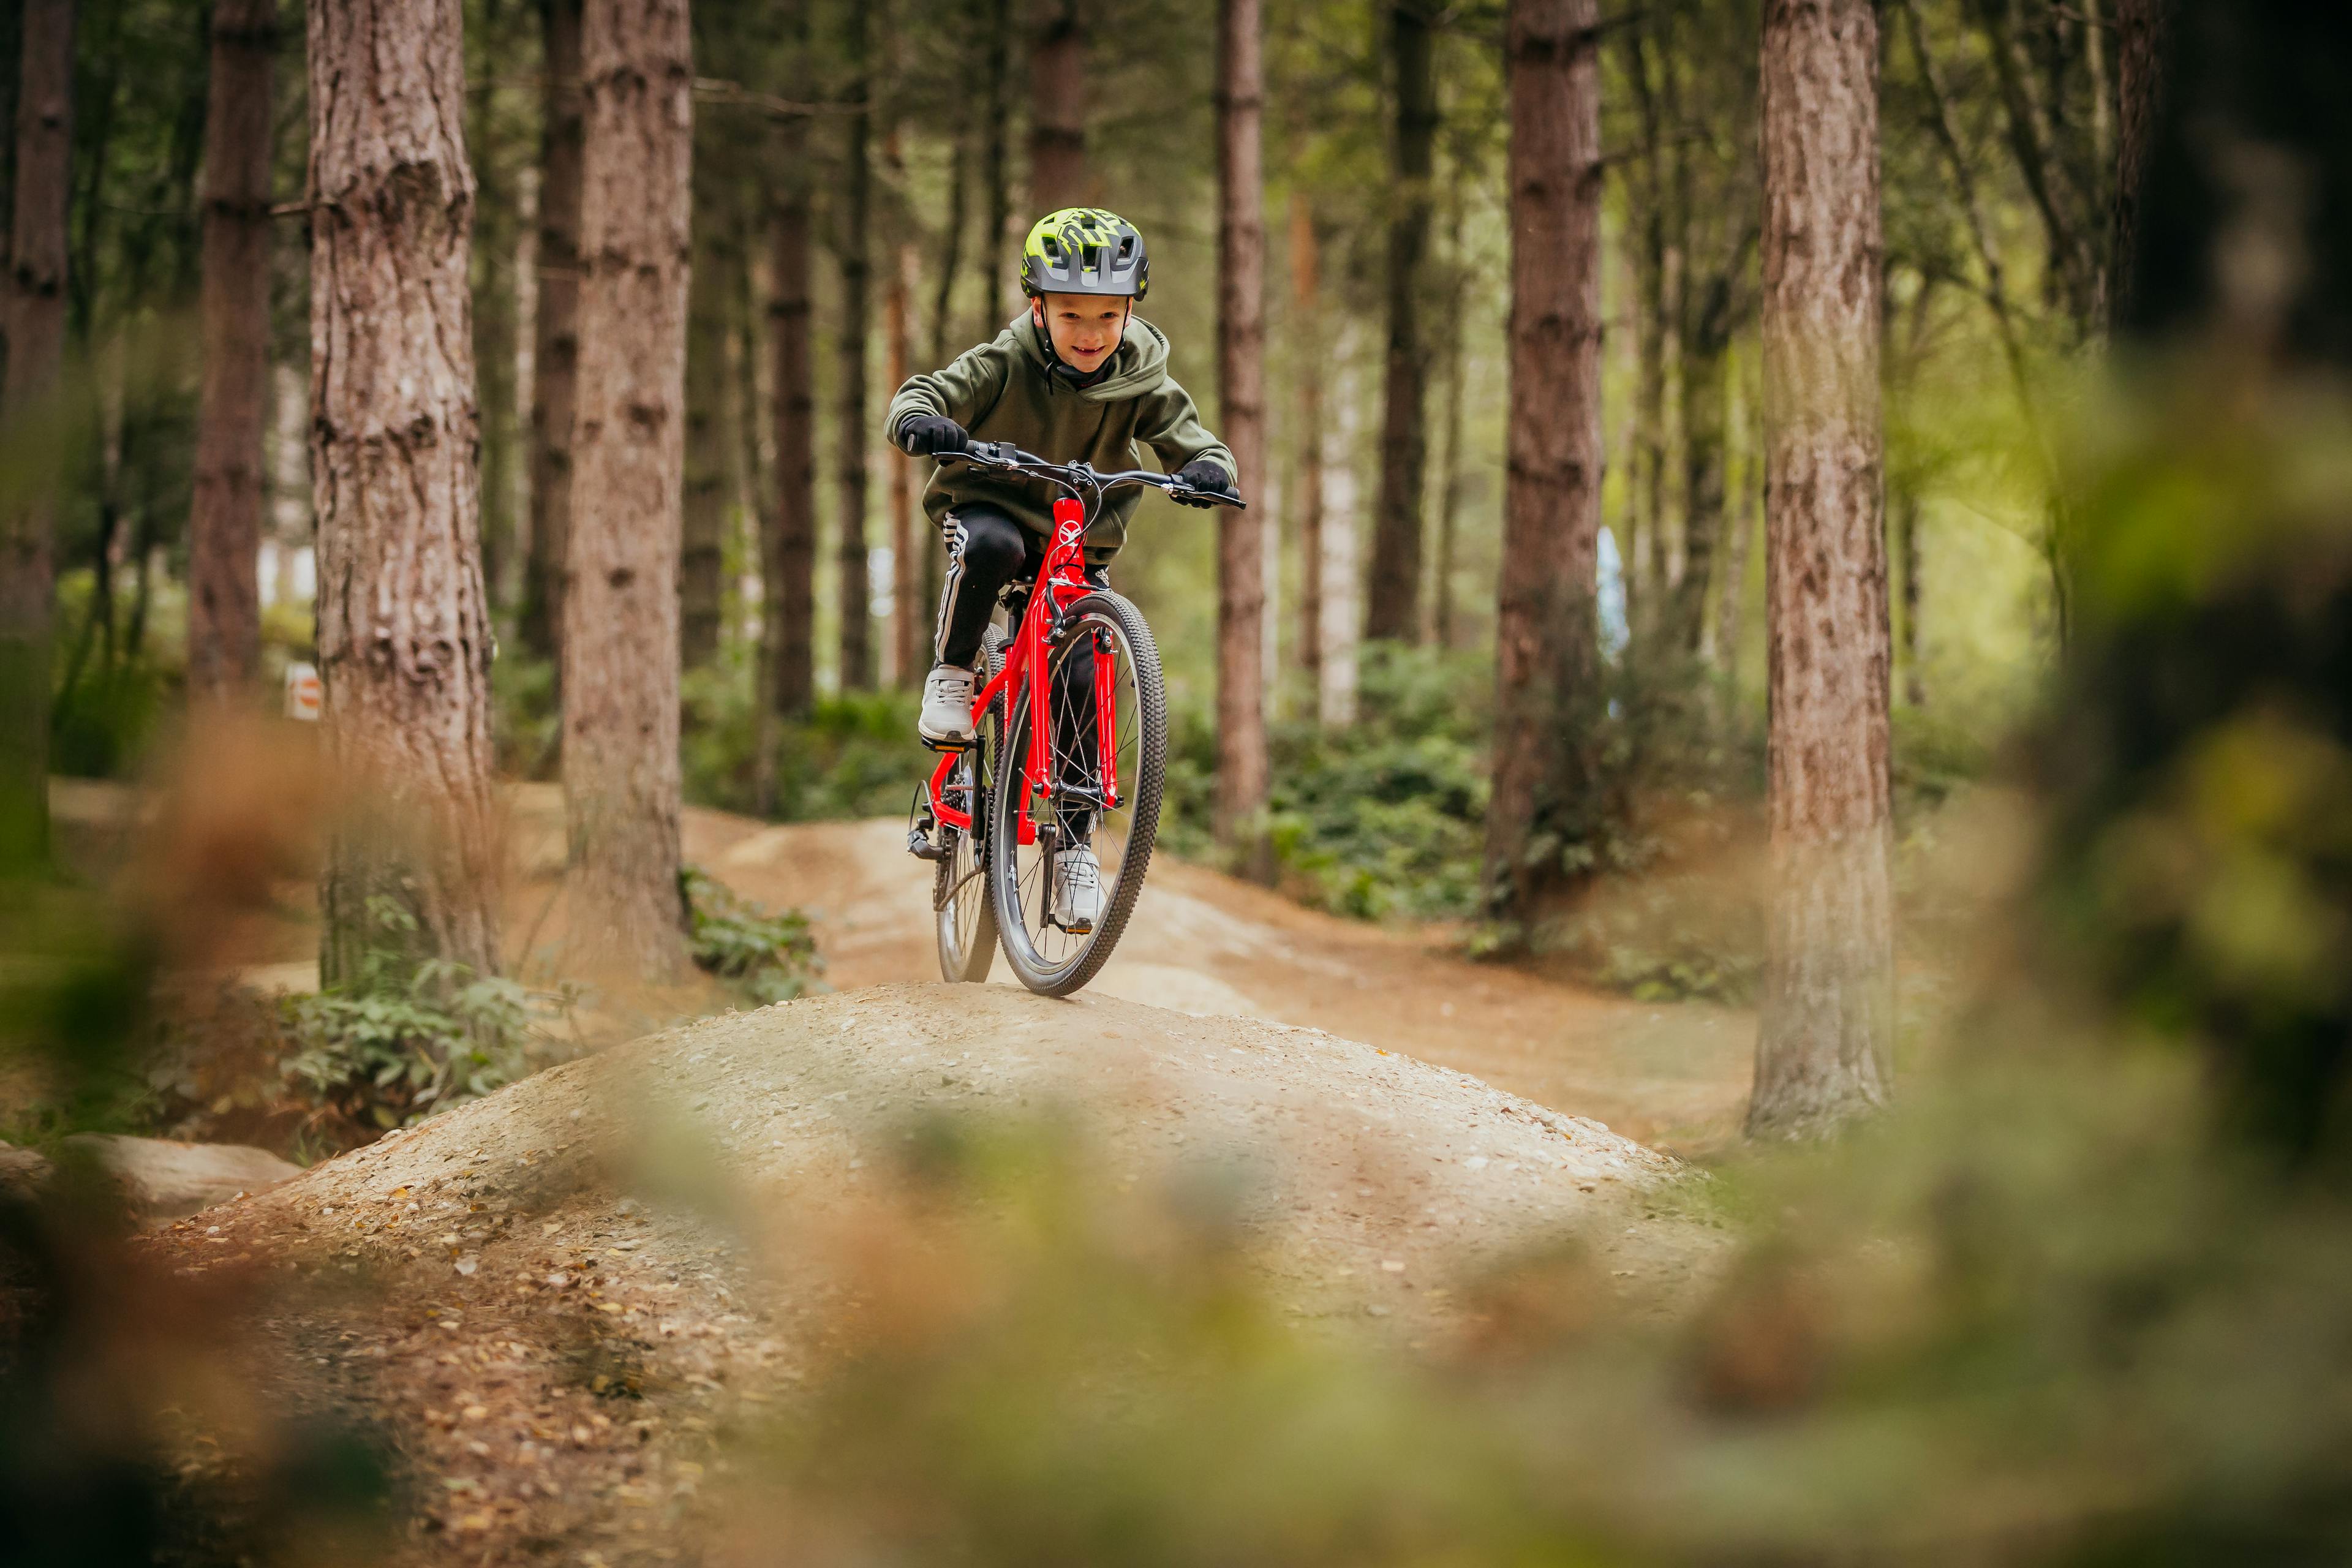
1078 477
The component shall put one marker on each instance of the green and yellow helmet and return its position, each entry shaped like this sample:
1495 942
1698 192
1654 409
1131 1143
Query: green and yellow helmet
1085 250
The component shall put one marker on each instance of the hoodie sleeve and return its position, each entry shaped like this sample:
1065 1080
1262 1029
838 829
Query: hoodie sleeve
1170 427
963 392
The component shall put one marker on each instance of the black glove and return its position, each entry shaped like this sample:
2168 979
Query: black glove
928 434
1200 474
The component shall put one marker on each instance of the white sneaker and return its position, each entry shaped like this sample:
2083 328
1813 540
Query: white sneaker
948 693
1077 890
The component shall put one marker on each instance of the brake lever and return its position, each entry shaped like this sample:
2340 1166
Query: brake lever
1208 500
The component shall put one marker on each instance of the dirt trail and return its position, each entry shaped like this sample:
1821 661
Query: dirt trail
1671 1076
557 1301
553 1299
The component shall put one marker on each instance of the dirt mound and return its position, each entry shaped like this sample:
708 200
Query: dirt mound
553 1298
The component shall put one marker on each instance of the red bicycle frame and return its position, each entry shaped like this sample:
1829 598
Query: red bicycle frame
1061 584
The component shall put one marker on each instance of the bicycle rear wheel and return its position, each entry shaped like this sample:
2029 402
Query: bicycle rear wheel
1045 956
961 911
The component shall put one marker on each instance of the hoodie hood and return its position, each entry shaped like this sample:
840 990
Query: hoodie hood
1138 366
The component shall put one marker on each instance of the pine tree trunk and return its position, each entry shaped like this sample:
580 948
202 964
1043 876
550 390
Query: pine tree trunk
495 326
702 546
856 602
1393 602
788 560
1821 1050
620 608
1307 488
908 662
555 347
1057 106
1547 649
1342 531
1706 397
950 250
1731 601
1241 795
997 270
36 330
1449 461
1906 535
225 513
1646 506
2142 30
404 621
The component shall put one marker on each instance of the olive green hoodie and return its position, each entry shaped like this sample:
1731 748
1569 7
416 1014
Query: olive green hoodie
1002 390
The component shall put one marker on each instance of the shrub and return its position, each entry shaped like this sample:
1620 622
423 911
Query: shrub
851 755
772 957
404 1039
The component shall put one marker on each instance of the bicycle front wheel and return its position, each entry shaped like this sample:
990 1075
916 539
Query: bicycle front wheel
1114 810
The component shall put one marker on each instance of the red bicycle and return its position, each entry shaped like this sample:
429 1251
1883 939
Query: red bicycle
1070 750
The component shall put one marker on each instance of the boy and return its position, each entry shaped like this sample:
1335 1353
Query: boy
1080 377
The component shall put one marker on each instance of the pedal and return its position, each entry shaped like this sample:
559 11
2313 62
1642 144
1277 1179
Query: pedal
953 748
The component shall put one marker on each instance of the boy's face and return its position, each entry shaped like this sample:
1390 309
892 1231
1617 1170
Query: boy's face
1085 328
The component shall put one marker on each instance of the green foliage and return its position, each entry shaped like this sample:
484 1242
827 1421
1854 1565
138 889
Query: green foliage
851 755
406 1038
1384 817
772 957
525 714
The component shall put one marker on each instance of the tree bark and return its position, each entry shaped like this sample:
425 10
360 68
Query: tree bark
996 170
404 635
620 608
555 348
1822 1044
2142 29
952 238
788 558
857 666
1393 602
1706 397
1548 647
1341 570
1239 816
2047 179
1449 431
495 327
908 662
702 545
1306 488
1057 107
1731 602
1646 501
36 329
225 513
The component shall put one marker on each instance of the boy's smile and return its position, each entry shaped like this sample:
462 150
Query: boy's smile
1085 328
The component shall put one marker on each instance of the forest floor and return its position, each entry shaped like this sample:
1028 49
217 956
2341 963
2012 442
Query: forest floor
566 1306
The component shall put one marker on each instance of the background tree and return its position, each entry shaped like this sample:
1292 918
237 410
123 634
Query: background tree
555 354
225 523
1822 1042
1392 597
788 555
1240 822
854 245
403 633
1547 654
1057 107
619 641
702 541
35 353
